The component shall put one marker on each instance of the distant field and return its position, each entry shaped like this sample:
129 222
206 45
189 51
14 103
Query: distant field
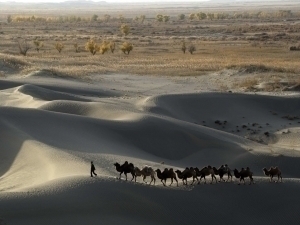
256 38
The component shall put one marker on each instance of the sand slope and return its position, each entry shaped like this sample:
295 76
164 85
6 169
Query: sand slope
51 128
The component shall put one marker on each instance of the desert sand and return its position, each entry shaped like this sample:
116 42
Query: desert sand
52 127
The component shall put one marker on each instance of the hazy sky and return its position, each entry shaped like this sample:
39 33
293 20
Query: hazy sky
141 1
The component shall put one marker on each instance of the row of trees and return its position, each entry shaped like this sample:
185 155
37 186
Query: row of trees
72 19
161 17
91 46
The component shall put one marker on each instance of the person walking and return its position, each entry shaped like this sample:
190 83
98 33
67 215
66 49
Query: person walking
93 169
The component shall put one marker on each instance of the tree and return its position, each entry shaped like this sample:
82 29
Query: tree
23 47
191 48
92 46
112 46
166 18
94 18
104 47
38 45
183 47
121 18
201 16
162 18
210 16
142 18
76 46
192 16
126 48
181 16
125 29
106 17
9 19
59 46
159 17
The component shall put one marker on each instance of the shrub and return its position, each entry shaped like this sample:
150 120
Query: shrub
192 16
76 46
104 47
9 19
38 45
59 46
142 18
181 16
92 46
125 29
112 46
166 18
183 47
106 17
126 48
94 18
23 47
191 48
159 18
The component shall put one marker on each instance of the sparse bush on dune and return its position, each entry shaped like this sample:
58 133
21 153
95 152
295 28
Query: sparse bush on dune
126 48
92 47
59 46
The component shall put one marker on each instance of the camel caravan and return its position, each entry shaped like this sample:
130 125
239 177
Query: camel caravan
193 172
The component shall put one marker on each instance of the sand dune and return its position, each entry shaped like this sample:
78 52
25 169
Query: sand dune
51 130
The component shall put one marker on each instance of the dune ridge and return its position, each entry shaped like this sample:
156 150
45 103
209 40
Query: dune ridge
51 131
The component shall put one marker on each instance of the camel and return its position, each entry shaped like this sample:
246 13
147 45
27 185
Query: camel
273 171
144 172
206 171
222 171
125 168
243 174
187 173
163 176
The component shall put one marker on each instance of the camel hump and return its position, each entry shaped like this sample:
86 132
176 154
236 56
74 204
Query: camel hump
171 169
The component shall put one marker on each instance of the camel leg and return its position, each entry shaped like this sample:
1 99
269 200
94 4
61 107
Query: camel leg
194 180
176 181
126 176
120 175
240 180
171 181
200 180
251 180
144 177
